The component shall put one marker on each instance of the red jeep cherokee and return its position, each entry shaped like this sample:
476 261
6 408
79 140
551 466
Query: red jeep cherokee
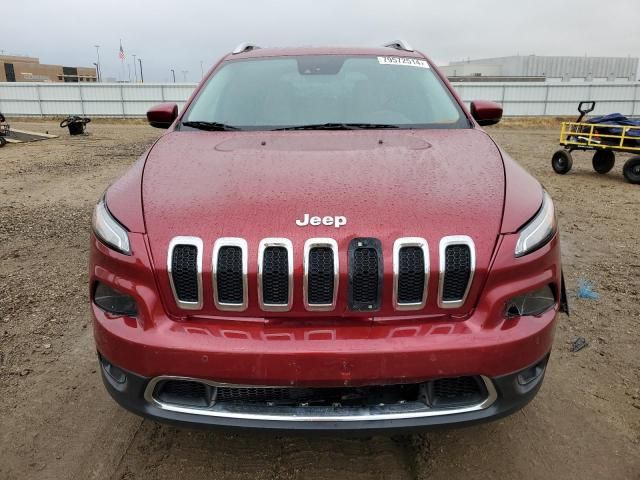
325 239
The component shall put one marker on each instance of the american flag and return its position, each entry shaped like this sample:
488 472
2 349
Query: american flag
121 54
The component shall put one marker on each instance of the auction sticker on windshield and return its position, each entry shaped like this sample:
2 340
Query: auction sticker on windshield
405 61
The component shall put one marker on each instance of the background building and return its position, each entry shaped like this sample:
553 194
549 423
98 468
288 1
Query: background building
29 69
546 68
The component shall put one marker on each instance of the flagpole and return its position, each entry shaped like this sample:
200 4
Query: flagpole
122 72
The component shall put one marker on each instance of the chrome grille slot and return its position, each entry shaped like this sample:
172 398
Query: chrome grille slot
321 273
229 269
275 274
275 279
410 273
457 267
365 274
184 266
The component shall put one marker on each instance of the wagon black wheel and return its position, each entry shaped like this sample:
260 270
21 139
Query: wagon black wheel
603 161
3 142
561 161
65 123
631 170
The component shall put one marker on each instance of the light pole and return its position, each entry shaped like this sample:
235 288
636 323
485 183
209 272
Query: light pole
97 71
141 75
135 68
184 75
98 64
201 70
173 72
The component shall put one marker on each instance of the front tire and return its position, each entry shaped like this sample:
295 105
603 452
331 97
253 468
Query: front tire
603 161
561 162
3 142
631 170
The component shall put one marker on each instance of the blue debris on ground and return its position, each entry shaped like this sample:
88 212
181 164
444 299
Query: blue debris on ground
585 290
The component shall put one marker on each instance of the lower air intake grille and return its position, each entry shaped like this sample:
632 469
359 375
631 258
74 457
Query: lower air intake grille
442 393
321 276
184 392
229 280
365 269
275 276
456 273
318 397
410 275
184 272
456 391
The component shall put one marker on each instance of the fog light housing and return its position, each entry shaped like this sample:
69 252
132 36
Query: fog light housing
114 372
113 301
531 303
531 377
531 374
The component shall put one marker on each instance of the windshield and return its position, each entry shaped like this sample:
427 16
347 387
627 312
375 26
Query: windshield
325 90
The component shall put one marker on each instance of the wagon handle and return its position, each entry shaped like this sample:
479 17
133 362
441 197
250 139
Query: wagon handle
584 108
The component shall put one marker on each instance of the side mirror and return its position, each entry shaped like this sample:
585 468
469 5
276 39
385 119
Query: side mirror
485 112
162 115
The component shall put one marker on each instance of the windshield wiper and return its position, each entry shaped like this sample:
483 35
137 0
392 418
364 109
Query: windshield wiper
210 126
339 126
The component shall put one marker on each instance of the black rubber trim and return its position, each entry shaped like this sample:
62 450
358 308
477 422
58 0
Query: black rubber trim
564 299
377 246
512 396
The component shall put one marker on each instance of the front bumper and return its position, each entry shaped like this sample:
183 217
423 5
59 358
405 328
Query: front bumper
506 394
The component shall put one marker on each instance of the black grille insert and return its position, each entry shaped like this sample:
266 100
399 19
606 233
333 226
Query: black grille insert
229 277
318 397
275 276
456 391
184 392
321 279
410 275
365 274
184 272
457 272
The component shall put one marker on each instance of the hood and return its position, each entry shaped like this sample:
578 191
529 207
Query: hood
254 185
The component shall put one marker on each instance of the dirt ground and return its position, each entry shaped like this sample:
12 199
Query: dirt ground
57 421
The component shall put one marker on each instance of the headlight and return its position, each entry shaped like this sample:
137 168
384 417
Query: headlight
531 303
539 230
109 230
114 301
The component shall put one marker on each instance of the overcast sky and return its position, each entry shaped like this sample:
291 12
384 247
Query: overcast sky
179 34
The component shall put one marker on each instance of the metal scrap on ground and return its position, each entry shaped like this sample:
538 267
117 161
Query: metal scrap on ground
21 136
578 344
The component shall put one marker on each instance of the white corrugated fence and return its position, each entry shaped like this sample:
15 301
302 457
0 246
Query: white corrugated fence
133 100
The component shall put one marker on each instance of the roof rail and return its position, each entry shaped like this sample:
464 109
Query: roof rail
399 45
245 47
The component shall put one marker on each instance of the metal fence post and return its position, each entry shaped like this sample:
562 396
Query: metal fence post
82 108
546 99
124 115
39 99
